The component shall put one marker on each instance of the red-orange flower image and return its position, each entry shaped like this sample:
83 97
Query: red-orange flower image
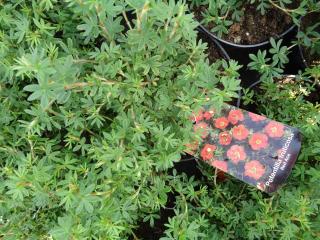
240 132
258 141
255 117
208 114
202 129
207 151
235 116
274 129
254 169
225 138
236 154
222 165
221 123
244 145
197 116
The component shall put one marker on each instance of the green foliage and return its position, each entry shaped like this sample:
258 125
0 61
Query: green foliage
310 38
94 111
95 99
270 67
292 212
291 100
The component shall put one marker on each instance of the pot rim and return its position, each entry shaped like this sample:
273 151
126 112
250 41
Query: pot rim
304 61
216 43
292 27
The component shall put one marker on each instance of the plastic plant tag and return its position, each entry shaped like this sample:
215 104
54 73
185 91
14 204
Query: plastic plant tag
250 147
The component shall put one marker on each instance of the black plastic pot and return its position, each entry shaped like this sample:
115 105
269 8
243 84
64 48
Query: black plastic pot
302 59
298 59
303 63
211 40
241 52
246 46
222 52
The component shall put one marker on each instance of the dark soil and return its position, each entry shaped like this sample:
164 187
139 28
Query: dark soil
309 20
213 51
146 232
190 167
253 27
314 96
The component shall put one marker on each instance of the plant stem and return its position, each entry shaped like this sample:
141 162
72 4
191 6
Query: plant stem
287 11
106 34
292 46
144 10
176 24
103 80
126 19
77 85
83 61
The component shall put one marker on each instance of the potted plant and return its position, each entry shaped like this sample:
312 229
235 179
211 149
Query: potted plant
247 24
244 27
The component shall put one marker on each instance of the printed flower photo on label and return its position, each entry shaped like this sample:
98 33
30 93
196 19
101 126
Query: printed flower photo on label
274 129
240 132
254 169
236 154
225 138
202 129
221 123
258 141
235 116
243 144
207 151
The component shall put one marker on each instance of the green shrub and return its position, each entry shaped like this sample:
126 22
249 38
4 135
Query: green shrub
298 209
94 110
95 99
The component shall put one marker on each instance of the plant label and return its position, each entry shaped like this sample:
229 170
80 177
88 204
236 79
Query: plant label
250 147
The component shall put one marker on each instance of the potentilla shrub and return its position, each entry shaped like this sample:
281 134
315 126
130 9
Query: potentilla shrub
294 212
95 101
213 208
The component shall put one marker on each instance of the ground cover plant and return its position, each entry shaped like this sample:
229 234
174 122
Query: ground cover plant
95 108
95 105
